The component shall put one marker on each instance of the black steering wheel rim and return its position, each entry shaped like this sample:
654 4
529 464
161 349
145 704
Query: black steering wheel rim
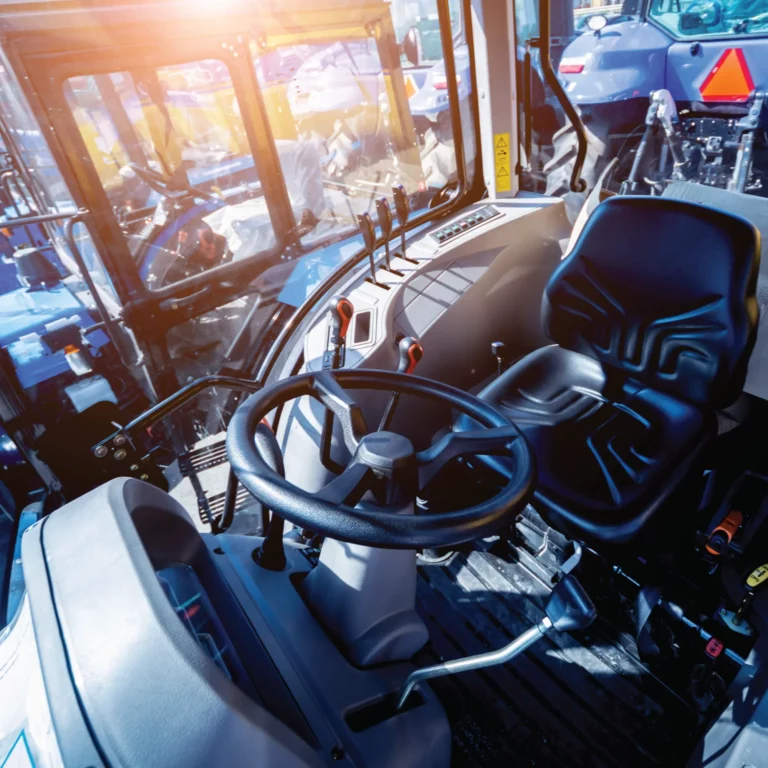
364 524
165 186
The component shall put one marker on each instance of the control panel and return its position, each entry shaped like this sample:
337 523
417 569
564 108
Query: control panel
462 225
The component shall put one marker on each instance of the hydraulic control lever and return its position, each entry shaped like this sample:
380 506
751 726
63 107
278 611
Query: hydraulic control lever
568 609
410 353
734 620
385 222
402 209
339 317
365 223
498 350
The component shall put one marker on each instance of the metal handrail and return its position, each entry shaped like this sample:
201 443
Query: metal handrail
577 184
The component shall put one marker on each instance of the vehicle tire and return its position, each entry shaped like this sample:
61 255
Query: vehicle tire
558 170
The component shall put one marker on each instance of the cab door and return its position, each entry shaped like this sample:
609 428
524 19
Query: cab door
162 139
223 159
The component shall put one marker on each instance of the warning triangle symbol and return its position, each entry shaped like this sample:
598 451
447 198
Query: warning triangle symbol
501 143
729 80
502 171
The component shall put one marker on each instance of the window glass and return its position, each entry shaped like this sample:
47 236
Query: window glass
345 134
349 126
658 106
697 18
172 155
24 132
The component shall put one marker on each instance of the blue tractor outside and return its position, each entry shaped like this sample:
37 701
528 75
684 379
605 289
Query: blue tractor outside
670 89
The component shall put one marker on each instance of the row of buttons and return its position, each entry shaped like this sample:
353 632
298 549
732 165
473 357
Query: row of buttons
465 223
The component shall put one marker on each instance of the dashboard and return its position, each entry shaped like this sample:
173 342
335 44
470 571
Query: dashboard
488 265
469 280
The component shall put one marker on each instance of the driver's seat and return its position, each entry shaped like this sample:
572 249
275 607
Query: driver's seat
655 315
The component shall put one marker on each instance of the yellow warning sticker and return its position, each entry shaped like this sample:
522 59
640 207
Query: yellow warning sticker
410 86
501 155
758 576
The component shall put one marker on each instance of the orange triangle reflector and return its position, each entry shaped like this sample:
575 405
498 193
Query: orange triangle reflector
729 80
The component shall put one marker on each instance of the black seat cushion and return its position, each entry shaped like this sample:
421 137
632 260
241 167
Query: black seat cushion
655 314
606 460
663 291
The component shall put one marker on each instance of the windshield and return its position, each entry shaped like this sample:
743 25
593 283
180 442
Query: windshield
218 180
698 18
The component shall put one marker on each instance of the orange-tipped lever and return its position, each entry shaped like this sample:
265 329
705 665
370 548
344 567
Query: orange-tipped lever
410 353
339 317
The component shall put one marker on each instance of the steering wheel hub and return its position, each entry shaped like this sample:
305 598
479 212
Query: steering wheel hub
386 451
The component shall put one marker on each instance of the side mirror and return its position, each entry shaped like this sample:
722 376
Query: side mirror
412 48
597 22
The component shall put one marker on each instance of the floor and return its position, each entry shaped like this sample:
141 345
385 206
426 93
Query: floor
570 701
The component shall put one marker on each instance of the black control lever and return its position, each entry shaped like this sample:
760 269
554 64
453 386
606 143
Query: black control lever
402 209
410 353
385 222
498 350
365 223
339 317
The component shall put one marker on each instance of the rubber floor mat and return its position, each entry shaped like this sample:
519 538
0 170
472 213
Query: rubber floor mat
571 700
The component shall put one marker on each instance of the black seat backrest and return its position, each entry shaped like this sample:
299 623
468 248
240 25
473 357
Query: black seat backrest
664 291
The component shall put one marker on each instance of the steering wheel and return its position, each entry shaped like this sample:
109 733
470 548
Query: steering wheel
382 462
165 186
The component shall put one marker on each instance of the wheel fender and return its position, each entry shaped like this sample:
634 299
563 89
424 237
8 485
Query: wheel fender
625 61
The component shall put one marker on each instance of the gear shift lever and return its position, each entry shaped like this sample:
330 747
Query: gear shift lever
410 353
385 222
568 608
365 223
498 348
402 209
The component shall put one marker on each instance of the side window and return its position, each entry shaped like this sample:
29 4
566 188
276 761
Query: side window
171 152
349 123
697 18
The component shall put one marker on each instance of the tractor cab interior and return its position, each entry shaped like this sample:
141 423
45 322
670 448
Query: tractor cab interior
325 441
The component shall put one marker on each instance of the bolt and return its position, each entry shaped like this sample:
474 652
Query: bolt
134 467
119 440
144 477
121 454
101 451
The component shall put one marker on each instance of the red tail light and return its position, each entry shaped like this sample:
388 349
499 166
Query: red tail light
440 82
571 66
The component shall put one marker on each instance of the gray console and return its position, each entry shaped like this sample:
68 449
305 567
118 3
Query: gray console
159 646
478 278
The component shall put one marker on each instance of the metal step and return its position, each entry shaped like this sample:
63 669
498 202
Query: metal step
206 457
